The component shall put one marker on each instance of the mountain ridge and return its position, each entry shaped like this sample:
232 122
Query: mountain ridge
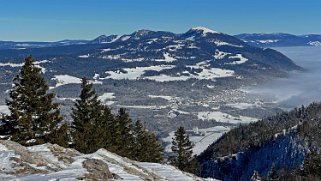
280 39
147 63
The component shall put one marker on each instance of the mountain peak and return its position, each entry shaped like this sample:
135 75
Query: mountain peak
204 30
105 39
142 32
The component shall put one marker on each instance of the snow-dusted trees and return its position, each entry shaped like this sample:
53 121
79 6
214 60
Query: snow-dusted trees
34 118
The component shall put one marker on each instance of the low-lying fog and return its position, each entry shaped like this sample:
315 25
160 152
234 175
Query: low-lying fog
298 89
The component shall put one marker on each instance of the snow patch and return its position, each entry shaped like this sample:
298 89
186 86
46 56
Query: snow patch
84 56
66 79
240 59
11 64
314 43
168 98
124 38
204 30
224 117
220 54
201 138
167 58
134 73
4 109
267 41
222 43
106 96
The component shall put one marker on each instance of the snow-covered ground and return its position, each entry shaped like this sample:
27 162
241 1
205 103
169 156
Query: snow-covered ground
134 73
204 30
66 79
52 162
222 43
107 98
239 59
220 54
84 56
138 73
11 64
167 58
244 105
201 138
224 117
4 109
168 98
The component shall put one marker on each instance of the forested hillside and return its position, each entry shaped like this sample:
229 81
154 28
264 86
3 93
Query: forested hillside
282 141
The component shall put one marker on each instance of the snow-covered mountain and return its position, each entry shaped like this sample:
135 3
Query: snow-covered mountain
188 51
52 162
162 77
280 39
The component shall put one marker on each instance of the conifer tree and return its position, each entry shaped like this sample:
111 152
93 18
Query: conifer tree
140 139
60 136
146 147
107 126
89 130
154 150
122 135
34 117
182 148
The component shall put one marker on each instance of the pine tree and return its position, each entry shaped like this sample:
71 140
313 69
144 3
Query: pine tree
140 140
34 117
182 148
107 126
89 130
122 135
146 147
60 136
154 150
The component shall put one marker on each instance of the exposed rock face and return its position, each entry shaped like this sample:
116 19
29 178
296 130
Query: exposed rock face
52 162
97 170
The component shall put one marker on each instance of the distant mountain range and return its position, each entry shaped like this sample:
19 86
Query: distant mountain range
23 45
280 39
165 77
199 53
254 39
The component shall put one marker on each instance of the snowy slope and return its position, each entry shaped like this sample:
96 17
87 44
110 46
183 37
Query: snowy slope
52 162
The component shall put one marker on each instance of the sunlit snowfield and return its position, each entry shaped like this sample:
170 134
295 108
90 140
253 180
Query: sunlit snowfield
299 88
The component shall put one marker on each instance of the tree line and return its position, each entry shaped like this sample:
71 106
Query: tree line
35 119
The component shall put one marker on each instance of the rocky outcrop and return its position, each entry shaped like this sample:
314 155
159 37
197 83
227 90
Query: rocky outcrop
52 162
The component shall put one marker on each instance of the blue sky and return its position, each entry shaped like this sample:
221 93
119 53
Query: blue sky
51 20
